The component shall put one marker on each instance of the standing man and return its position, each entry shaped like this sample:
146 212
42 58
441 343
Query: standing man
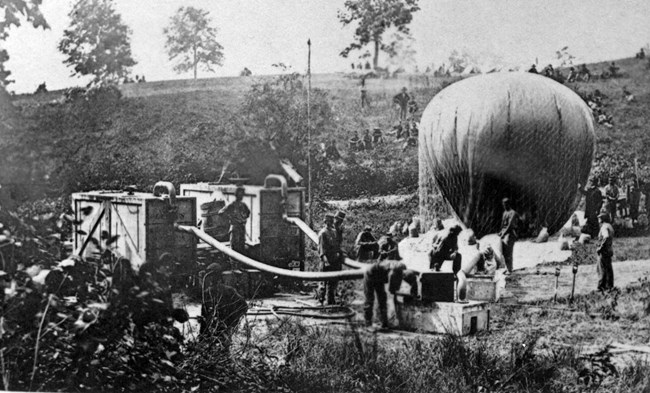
611 194
508 233
605 252
445 247
633 199
237 213
329 251
593 203
364 93
374 281
402 100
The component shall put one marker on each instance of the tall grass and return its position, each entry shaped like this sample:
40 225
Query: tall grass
319 361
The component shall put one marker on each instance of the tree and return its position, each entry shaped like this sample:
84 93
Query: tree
192 40
97 42
374 17
12 10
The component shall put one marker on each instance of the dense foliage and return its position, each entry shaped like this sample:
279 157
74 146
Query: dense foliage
12 11
97 42
373 19
192 41
94 325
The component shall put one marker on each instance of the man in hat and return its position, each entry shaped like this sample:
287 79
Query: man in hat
605 252
374 280
444 248
611 198
237 213
593 203
533 69
329 250
402 100
508 233
388 248
366 245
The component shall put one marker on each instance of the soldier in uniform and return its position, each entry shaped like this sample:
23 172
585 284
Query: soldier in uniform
329 250
237 213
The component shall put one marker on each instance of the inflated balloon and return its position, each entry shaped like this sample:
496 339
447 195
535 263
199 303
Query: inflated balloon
516 135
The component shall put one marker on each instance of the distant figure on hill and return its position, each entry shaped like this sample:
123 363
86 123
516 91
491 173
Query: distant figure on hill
399 130
613 70
533 69
331 152
246 72
367 140
412 107
367 66
377 136
584 74
627 96
355 143
402 100
548 71
364 93
572 75
42 88
641 54
359 66
633 199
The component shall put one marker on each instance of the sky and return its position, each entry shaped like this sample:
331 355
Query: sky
259 33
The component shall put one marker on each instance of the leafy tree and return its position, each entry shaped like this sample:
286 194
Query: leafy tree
12 10
192 40
374 17
97 42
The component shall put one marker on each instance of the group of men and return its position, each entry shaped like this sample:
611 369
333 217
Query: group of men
386 269
445 244
611 202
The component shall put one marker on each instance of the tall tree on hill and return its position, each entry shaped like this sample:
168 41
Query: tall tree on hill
97 42
192 40
12 11
374 17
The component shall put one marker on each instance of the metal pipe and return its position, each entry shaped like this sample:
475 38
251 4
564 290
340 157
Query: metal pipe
307 276
300 223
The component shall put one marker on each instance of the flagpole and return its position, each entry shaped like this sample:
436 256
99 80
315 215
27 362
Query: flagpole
309 198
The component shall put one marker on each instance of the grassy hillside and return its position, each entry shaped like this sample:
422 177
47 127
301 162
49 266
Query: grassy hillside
188 130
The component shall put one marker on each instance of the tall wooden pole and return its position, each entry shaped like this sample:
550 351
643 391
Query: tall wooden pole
309 198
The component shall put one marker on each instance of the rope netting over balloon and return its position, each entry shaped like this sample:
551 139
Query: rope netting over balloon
515 135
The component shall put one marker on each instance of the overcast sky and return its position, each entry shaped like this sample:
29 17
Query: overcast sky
258 33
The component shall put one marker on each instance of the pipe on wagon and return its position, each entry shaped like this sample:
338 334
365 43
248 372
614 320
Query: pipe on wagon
307 276
311 234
